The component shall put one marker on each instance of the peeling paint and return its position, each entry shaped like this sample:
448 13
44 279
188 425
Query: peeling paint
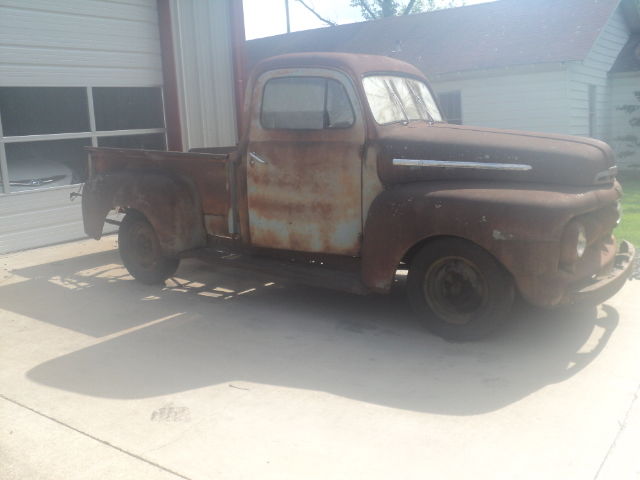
498 235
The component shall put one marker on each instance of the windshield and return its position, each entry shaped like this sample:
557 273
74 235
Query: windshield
399 99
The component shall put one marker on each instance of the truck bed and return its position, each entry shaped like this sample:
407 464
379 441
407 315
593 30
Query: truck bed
208 171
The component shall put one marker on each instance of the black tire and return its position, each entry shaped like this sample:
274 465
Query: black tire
459 290
141 253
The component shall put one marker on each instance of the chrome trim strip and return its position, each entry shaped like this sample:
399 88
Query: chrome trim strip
511 167
606 176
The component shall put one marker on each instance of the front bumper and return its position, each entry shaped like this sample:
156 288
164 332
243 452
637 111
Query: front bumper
604 284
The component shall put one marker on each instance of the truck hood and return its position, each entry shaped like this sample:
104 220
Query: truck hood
419 151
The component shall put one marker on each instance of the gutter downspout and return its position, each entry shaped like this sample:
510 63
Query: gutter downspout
238 53
170 81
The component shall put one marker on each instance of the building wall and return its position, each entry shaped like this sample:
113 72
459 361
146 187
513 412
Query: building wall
535 101
556 102
202 39
625 138
593 71
92 46
68 43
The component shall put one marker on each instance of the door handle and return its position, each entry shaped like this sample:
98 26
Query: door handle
253 158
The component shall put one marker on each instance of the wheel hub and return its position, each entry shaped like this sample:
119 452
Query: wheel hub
144 245
455 289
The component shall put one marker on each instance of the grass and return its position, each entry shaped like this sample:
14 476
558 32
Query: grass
629 228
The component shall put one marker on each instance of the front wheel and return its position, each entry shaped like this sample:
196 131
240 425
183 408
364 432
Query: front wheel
141 253
461 292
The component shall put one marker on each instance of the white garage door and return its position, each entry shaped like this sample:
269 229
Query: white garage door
73 73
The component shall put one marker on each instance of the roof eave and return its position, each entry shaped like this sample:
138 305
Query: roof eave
501 71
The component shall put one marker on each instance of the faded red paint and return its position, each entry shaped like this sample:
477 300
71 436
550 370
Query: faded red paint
521 227
307 196
316 182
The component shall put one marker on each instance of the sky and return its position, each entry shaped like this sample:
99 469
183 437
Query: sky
263 18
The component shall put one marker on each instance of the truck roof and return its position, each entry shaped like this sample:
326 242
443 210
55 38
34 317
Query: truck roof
355 64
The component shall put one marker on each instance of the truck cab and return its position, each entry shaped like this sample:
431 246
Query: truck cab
346 172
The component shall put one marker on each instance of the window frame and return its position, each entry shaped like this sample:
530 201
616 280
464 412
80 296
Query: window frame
326 79
93 134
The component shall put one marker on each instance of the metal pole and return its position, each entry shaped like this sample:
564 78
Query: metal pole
286 8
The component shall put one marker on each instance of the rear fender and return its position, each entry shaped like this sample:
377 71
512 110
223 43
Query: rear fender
169 203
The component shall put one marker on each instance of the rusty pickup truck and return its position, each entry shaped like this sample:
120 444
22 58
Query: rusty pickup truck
347 173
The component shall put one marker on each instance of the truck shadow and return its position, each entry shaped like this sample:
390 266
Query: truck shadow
229 327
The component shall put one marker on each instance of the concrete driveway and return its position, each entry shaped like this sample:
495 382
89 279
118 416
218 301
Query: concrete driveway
227 375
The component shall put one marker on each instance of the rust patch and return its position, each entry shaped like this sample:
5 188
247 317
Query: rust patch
307 196
216 225
160 185
521 227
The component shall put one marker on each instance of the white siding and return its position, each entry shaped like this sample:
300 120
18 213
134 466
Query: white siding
623 90
34 219
202 39
79 43
593 71
532 101
69 43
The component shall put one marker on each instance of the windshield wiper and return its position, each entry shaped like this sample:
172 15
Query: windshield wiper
397 101
418 99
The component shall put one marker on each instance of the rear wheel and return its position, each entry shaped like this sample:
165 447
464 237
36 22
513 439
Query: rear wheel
141 253
461 292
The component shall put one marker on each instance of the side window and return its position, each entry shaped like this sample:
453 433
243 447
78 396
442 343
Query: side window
339 110
305 103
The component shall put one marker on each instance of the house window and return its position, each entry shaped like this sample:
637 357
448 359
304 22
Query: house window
305 103
592 111
451 106
44 130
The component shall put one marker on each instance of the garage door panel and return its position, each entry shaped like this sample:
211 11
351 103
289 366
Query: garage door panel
37 218
28 200
87 58
143 11
75 25
37 237
10 36
70 43
56 41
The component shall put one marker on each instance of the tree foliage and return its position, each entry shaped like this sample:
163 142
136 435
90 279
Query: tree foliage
374 9
629 145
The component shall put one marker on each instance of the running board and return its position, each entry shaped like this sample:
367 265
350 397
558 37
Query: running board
297 272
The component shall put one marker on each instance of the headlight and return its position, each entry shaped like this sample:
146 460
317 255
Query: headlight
581 244
574 242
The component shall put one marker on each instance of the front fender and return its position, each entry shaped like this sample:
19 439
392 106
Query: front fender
521 226
169 203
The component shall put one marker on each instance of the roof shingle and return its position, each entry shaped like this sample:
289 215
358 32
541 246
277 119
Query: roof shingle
484 36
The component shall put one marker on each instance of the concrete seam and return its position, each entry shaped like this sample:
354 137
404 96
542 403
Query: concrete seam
618 433
104 442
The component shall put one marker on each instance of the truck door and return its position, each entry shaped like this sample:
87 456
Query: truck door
304 162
